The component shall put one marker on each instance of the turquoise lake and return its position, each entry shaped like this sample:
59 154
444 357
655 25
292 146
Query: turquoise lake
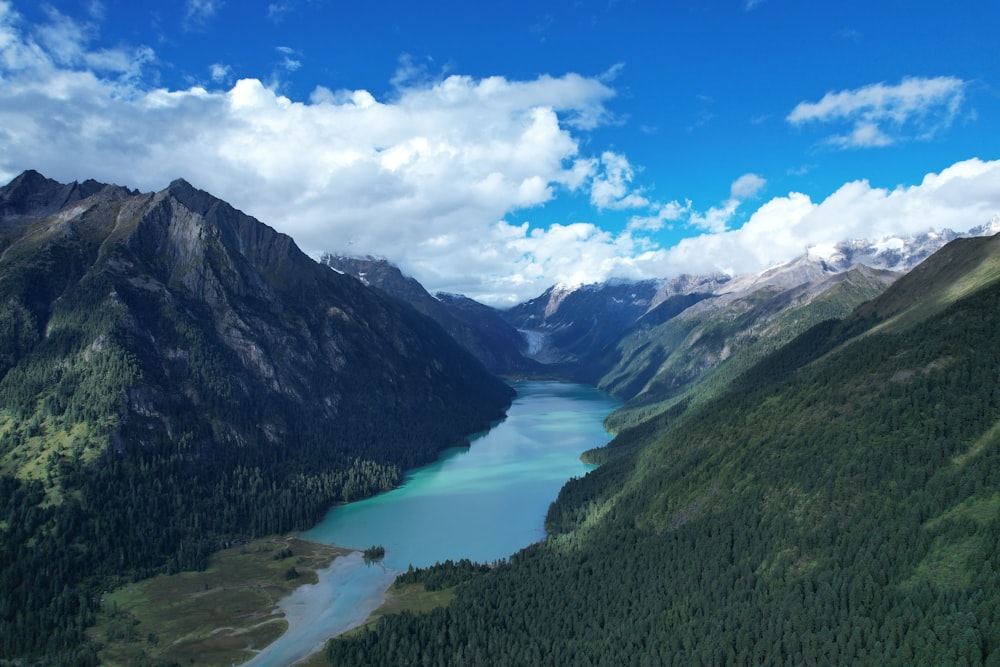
484 502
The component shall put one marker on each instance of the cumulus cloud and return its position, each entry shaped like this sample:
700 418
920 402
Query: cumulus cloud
612 186
717 218
959 197
664 215
423 178
882 114
432 177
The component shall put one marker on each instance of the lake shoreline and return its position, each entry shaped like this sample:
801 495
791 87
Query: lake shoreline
332 602
484 502
223 614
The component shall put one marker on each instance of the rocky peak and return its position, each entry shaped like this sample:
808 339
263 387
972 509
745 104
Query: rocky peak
32 195
236 333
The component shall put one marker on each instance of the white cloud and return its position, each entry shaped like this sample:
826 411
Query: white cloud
960 197
883 114
411 71
717 218
611 187
63 38
422 178
220 73
664 215
746 186
429 178
198 12
97 10
276 11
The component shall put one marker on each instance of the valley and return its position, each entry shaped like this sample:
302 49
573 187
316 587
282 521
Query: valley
480 504
804 468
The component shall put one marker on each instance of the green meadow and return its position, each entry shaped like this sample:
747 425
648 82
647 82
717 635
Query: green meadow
220 616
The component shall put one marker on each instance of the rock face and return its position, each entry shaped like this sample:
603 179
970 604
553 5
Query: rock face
478 328
231 339
33 195
176 376
662 359
573 325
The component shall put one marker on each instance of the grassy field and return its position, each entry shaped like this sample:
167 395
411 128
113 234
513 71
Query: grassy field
412 598
221 616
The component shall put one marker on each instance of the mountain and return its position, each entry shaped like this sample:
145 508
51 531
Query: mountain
662 361
477 327
31 195
836 503
896 253
175 374
568 326
652 343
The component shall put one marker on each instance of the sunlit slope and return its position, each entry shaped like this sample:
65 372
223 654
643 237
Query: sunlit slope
696 355
956 271
837 505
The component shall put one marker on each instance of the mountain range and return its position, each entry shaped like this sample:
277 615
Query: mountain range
835 502
174 375
655 343
804 469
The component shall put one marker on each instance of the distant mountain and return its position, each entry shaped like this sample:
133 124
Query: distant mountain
652 342
958 269
897 253
694 354
477 327
837 502
569 326
32 195
174 374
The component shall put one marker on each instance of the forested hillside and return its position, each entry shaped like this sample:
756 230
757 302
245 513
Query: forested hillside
838 504
175 375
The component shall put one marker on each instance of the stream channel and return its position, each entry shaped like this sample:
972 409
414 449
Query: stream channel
484 503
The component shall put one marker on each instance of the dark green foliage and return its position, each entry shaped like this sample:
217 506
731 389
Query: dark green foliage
174 377
442 575
374 553
40 612
839 505
666 361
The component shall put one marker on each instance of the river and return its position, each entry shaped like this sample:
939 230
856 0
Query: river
484 502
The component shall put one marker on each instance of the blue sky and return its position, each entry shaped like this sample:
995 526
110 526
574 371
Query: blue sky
495 149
